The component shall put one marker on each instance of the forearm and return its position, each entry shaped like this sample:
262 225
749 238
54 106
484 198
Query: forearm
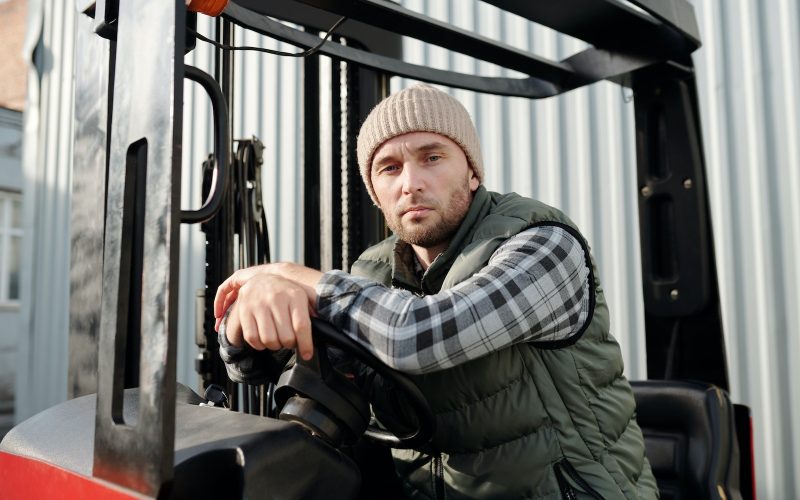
305 276
525 294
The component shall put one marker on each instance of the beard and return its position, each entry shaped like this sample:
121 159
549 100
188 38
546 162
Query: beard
433 230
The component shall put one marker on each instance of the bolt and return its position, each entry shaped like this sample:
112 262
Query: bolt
673 294
687 184
647 191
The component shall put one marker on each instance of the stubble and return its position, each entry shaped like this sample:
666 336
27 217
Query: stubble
434 230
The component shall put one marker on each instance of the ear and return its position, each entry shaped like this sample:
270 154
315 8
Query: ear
371 187
375 199
474 182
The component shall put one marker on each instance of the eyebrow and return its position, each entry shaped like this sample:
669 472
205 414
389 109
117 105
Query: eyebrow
430 147
389 158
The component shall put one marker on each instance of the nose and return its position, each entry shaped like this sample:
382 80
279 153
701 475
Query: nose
413 180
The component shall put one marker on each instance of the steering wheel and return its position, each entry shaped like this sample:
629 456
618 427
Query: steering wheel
316 395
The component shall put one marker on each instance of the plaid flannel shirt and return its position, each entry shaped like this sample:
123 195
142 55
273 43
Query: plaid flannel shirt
535 288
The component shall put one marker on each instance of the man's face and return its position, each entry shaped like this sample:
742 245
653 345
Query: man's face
424 186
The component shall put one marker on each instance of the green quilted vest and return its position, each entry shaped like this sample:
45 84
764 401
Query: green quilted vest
530 421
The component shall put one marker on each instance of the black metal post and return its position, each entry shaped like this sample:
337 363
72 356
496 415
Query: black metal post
311 166
681 296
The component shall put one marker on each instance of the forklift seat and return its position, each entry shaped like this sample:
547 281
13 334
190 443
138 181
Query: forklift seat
690 438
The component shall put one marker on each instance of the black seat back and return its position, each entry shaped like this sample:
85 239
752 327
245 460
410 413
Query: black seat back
689 432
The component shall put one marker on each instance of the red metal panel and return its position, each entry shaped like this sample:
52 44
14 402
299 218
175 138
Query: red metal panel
24 478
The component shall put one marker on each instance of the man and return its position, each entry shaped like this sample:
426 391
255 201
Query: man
492 304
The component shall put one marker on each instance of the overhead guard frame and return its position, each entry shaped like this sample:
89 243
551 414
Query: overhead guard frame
624 39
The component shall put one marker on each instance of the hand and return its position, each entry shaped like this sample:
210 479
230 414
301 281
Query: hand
271 312
242 325
229 289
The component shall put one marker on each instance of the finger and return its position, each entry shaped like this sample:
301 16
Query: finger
231 286
219 299
228 304
233 329
250 331
230 299
301 324
266 330
283 325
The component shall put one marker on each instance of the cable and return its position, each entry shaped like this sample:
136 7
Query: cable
305 53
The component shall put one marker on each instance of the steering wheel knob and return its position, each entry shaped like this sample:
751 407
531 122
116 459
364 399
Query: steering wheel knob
320 398
315 418
317 396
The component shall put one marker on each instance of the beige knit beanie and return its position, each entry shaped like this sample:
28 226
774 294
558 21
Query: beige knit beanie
420 108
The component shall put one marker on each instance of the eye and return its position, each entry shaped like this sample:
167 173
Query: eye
388 169
434 158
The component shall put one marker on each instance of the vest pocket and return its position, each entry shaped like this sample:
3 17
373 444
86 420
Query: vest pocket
571 484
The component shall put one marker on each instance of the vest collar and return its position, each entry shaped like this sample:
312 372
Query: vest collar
403 265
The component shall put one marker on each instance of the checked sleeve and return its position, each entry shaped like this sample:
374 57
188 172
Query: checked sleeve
535 287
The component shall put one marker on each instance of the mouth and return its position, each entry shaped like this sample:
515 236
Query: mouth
420 210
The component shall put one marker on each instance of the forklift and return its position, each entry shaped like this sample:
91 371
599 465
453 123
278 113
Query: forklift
142 435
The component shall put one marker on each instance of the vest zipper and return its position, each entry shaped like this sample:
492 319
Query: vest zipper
437 477
566 489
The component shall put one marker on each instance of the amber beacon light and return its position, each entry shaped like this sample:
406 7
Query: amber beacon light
208 7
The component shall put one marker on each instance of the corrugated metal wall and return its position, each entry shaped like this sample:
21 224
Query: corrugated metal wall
576 152
749 79
46 158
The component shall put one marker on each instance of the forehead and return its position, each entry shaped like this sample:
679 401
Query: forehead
412 141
